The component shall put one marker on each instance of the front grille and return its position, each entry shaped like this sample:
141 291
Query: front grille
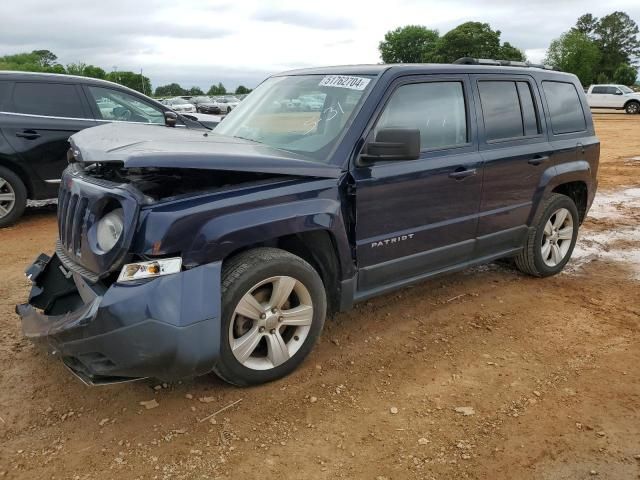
73 266
72 220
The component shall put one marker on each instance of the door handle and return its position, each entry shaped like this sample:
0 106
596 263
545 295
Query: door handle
538 159
28 134
460 174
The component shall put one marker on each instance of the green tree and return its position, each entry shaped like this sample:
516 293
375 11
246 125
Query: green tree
586 24
625 75
132 80
94 72
76 68
470 39
171 90
602 78
576 53
217 90
195 91
509 52
45 58
617 37
242 90
410 44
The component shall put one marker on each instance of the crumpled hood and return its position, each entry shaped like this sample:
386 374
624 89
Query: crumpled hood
145 146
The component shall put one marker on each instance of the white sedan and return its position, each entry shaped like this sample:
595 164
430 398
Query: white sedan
226 104
180 105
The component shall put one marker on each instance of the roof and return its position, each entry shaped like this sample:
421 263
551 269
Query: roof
415 69
59 77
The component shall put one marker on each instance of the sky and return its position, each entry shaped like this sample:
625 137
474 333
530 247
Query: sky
202 42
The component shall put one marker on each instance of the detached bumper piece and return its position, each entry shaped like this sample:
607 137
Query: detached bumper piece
166 328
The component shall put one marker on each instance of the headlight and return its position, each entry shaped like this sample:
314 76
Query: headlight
154 268
109 229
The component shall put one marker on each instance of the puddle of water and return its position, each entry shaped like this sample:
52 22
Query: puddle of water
610 245
614 204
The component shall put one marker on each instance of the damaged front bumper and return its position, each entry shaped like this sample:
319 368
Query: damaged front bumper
166 328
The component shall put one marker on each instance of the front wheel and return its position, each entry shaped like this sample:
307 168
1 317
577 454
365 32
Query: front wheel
632 108
273 310
550 243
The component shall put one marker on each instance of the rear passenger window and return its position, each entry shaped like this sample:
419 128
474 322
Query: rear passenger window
599 90
508 109
48 99
437 109
565 108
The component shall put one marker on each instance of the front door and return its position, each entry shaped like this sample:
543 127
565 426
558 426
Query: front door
417 217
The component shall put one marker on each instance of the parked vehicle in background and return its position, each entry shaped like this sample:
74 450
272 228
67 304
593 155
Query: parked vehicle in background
205 104
619 97
226 104
39 112
179 104
182 254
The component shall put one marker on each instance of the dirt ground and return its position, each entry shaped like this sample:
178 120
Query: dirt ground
548 370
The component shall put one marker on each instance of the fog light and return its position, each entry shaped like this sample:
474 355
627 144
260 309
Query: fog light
152 269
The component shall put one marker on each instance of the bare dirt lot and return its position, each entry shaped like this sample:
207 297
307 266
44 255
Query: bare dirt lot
548 370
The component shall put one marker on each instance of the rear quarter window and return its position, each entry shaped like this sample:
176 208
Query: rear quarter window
565 107
47 99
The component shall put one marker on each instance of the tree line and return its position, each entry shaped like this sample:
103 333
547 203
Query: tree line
47 62
600 50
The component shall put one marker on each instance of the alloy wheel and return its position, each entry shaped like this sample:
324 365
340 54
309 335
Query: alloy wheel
557 237
7 198
271 322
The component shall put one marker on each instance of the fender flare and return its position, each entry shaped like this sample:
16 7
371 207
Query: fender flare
576 171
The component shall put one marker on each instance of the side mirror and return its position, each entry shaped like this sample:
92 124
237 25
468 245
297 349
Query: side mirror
618 92
393 144
170 118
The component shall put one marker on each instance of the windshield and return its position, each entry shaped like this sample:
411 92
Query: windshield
625 89
201 99
304 114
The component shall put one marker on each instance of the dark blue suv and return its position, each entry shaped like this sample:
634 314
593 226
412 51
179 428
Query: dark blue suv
184 252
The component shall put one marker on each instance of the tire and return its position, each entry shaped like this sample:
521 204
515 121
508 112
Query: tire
632 108
546 252
13 197
273 347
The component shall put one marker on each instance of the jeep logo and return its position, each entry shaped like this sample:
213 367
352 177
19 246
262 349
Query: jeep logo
387 241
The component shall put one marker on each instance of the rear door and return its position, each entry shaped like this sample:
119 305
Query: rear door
516 154
37 120
414 217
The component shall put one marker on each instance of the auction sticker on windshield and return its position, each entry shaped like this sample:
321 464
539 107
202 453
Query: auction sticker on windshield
344 81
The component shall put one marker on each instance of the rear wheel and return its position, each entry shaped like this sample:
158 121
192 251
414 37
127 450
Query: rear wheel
550 243
632 108
13 197
273 310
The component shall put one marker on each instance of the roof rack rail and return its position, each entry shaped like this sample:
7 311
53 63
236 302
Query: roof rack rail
500 63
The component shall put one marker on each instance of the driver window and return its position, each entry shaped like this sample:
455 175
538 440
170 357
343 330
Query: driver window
437 109
113 105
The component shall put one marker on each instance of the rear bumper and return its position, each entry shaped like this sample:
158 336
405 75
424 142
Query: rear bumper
167 328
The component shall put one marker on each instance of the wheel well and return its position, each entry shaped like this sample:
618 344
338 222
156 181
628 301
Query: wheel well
576 191
318 249
631 101
20 173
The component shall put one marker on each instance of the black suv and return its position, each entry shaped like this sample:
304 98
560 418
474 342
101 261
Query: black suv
182 252
38 114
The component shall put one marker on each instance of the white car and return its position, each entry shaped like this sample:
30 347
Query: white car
180 105
619 97
226 104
